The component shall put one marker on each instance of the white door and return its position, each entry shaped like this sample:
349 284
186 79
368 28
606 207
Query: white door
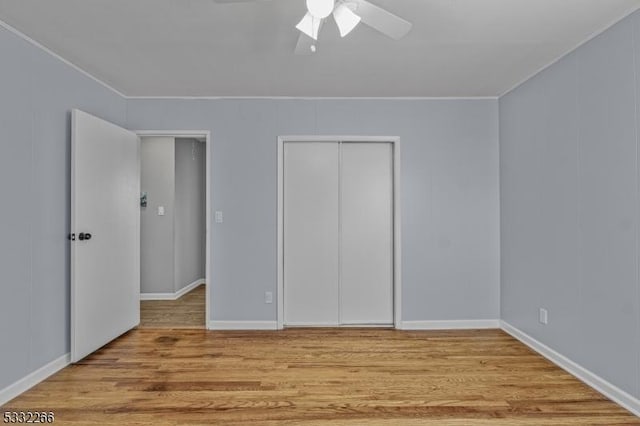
366 237
311 233
338 233
105 227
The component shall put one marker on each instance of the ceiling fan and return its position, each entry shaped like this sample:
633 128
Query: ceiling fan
347 14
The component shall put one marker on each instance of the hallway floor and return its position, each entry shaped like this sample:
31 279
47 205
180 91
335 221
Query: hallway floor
185 312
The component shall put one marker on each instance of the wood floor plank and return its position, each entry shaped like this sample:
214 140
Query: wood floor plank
319 377
186 312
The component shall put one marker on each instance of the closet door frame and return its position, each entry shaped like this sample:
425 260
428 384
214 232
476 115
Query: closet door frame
397 275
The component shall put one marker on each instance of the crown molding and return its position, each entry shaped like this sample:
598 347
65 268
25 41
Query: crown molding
40 46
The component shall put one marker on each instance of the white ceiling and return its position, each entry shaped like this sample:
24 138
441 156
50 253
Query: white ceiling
457 48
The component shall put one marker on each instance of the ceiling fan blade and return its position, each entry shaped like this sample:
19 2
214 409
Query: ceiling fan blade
305 45
386 22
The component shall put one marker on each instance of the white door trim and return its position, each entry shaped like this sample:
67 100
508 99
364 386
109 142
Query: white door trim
209 187
397 255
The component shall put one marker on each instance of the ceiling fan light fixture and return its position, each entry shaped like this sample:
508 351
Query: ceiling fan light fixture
320 8
310 26
345 19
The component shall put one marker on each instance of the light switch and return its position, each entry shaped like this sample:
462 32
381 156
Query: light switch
218 217
160 210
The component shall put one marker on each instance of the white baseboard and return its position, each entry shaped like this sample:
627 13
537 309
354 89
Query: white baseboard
450 325
172 296
312 324
598 383
157 296
243 325
186 289
334 325
27 382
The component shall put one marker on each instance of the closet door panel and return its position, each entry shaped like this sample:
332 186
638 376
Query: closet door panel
311 184
366 205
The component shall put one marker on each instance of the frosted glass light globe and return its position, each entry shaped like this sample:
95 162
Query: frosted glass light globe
320 8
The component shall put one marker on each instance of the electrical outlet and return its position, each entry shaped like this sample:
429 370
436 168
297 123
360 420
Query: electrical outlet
543 316
268 297
218 217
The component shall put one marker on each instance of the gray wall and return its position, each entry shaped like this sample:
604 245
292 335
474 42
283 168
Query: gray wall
190 211
37 93
450 205
157 179
569 205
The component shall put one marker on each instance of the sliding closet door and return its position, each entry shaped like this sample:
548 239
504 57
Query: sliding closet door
311 181
366 205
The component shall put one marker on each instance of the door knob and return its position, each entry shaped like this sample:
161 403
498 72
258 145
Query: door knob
84 236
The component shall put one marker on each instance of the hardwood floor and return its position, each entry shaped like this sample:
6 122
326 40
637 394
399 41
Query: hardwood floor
185 312
318 377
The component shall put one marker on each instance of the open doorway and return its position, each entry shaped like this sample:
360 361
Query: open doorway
173 230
